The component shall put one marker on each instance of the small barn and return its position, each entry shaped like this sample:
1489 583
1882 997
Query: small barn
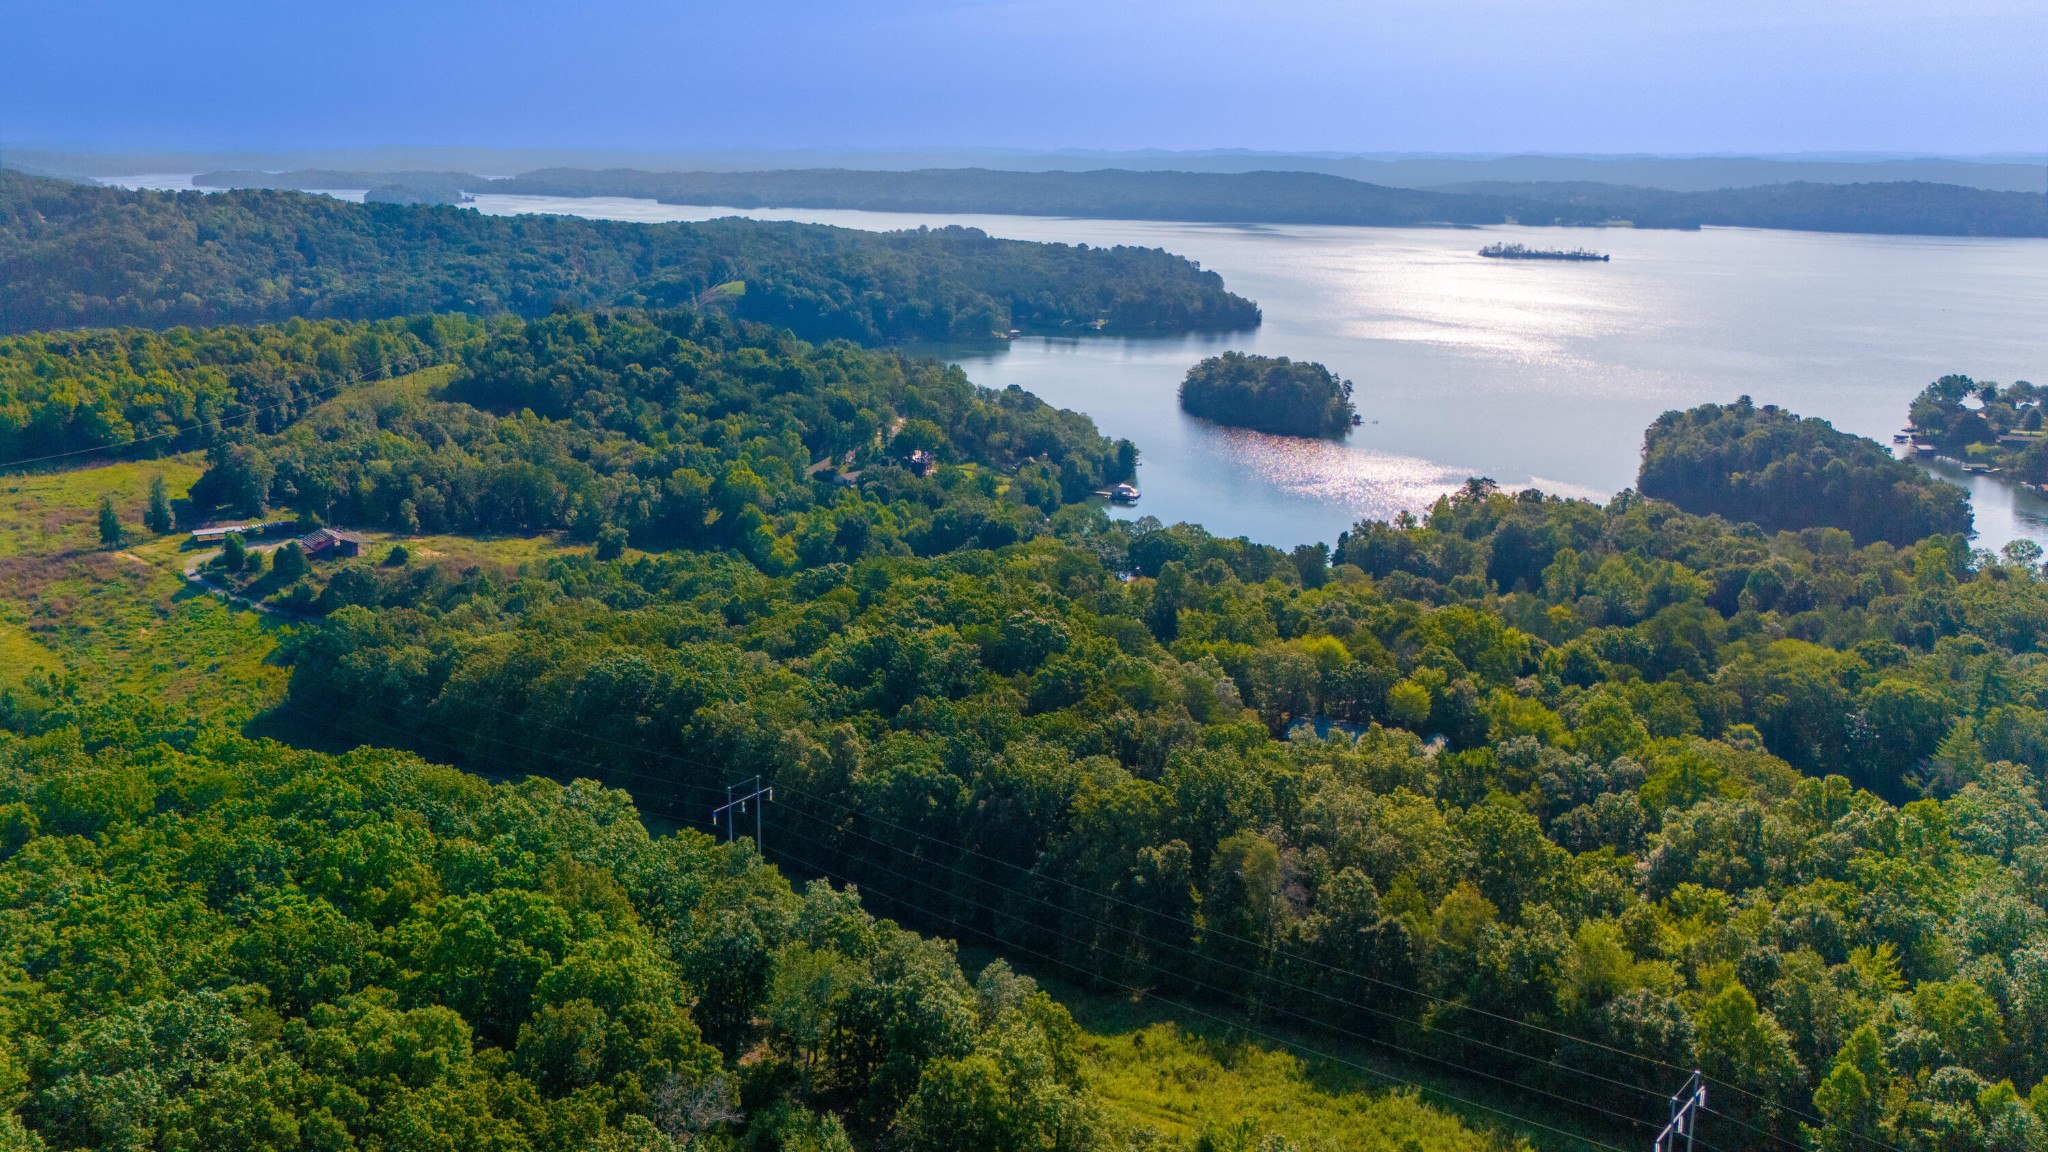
325 543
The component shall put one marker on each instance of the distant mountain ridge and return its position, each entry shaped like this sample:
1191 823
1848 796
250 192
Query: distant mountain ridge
1898 207
1673 173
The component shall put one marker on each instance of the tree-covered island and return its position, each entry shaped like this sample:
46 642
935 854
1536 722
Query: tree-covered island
1269 394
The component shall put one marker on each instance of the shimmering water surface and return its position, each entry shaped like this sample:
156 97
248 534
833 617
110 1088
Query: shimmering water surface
1531 373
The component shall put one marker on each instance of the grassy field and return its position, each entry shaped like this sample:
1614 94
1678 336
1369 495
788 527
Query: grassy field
54 513
105 623
21 655
506 552
1198 1083
1227 1092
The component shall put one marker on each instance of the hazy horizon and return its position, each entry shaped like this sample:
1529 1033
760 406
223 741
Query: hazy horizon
1405 170
1551 77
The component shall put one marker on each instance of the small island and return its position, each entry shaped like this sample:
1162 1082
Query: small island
1518 252
1269 394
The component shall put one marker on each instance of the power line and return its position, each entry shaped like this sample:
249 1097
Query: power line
1267 1036
1448 1063
1260 975
1242 996
673 799
802 792
1282 982
1342 971
1029 873
1389 1077
679 759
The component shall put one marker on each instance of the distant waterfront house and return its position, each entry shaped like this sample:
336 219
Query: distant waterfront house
331 542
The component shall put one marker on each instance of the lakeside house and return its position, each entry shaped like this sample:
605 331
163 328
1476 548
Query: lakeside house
331 542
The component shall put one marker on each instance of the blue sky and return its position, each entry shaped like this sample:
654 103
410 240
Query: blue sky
1965 76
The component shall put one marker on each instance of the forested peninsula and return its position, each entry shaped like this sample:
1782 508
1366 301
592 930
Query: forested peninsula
73 255
1770 467
1897 207
1269 394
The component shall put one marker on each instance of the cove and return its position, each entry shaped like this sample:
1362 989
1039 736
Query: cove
1531 373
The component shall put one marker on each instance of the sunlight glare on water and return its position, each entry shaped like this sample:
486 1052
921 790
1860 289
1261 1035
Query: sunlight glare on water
1530 373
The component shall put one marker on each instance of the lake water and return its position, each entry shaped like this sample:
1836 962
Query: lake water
1530 373
1527 372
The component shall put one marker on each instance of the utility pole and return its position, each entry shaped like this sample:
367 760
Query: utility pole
1686 1107
734 805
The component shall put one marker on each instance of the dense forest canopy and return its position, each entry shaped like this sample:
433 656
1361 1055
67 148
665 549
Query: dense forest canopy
73 255
1753 797
232 945
1770 804
1769 466
1912 207
683 429
1569 797
153 393
1269 394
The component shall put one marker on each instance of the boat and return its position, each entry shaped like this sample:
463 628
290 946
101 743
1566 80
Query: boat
1519 252
1123 494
